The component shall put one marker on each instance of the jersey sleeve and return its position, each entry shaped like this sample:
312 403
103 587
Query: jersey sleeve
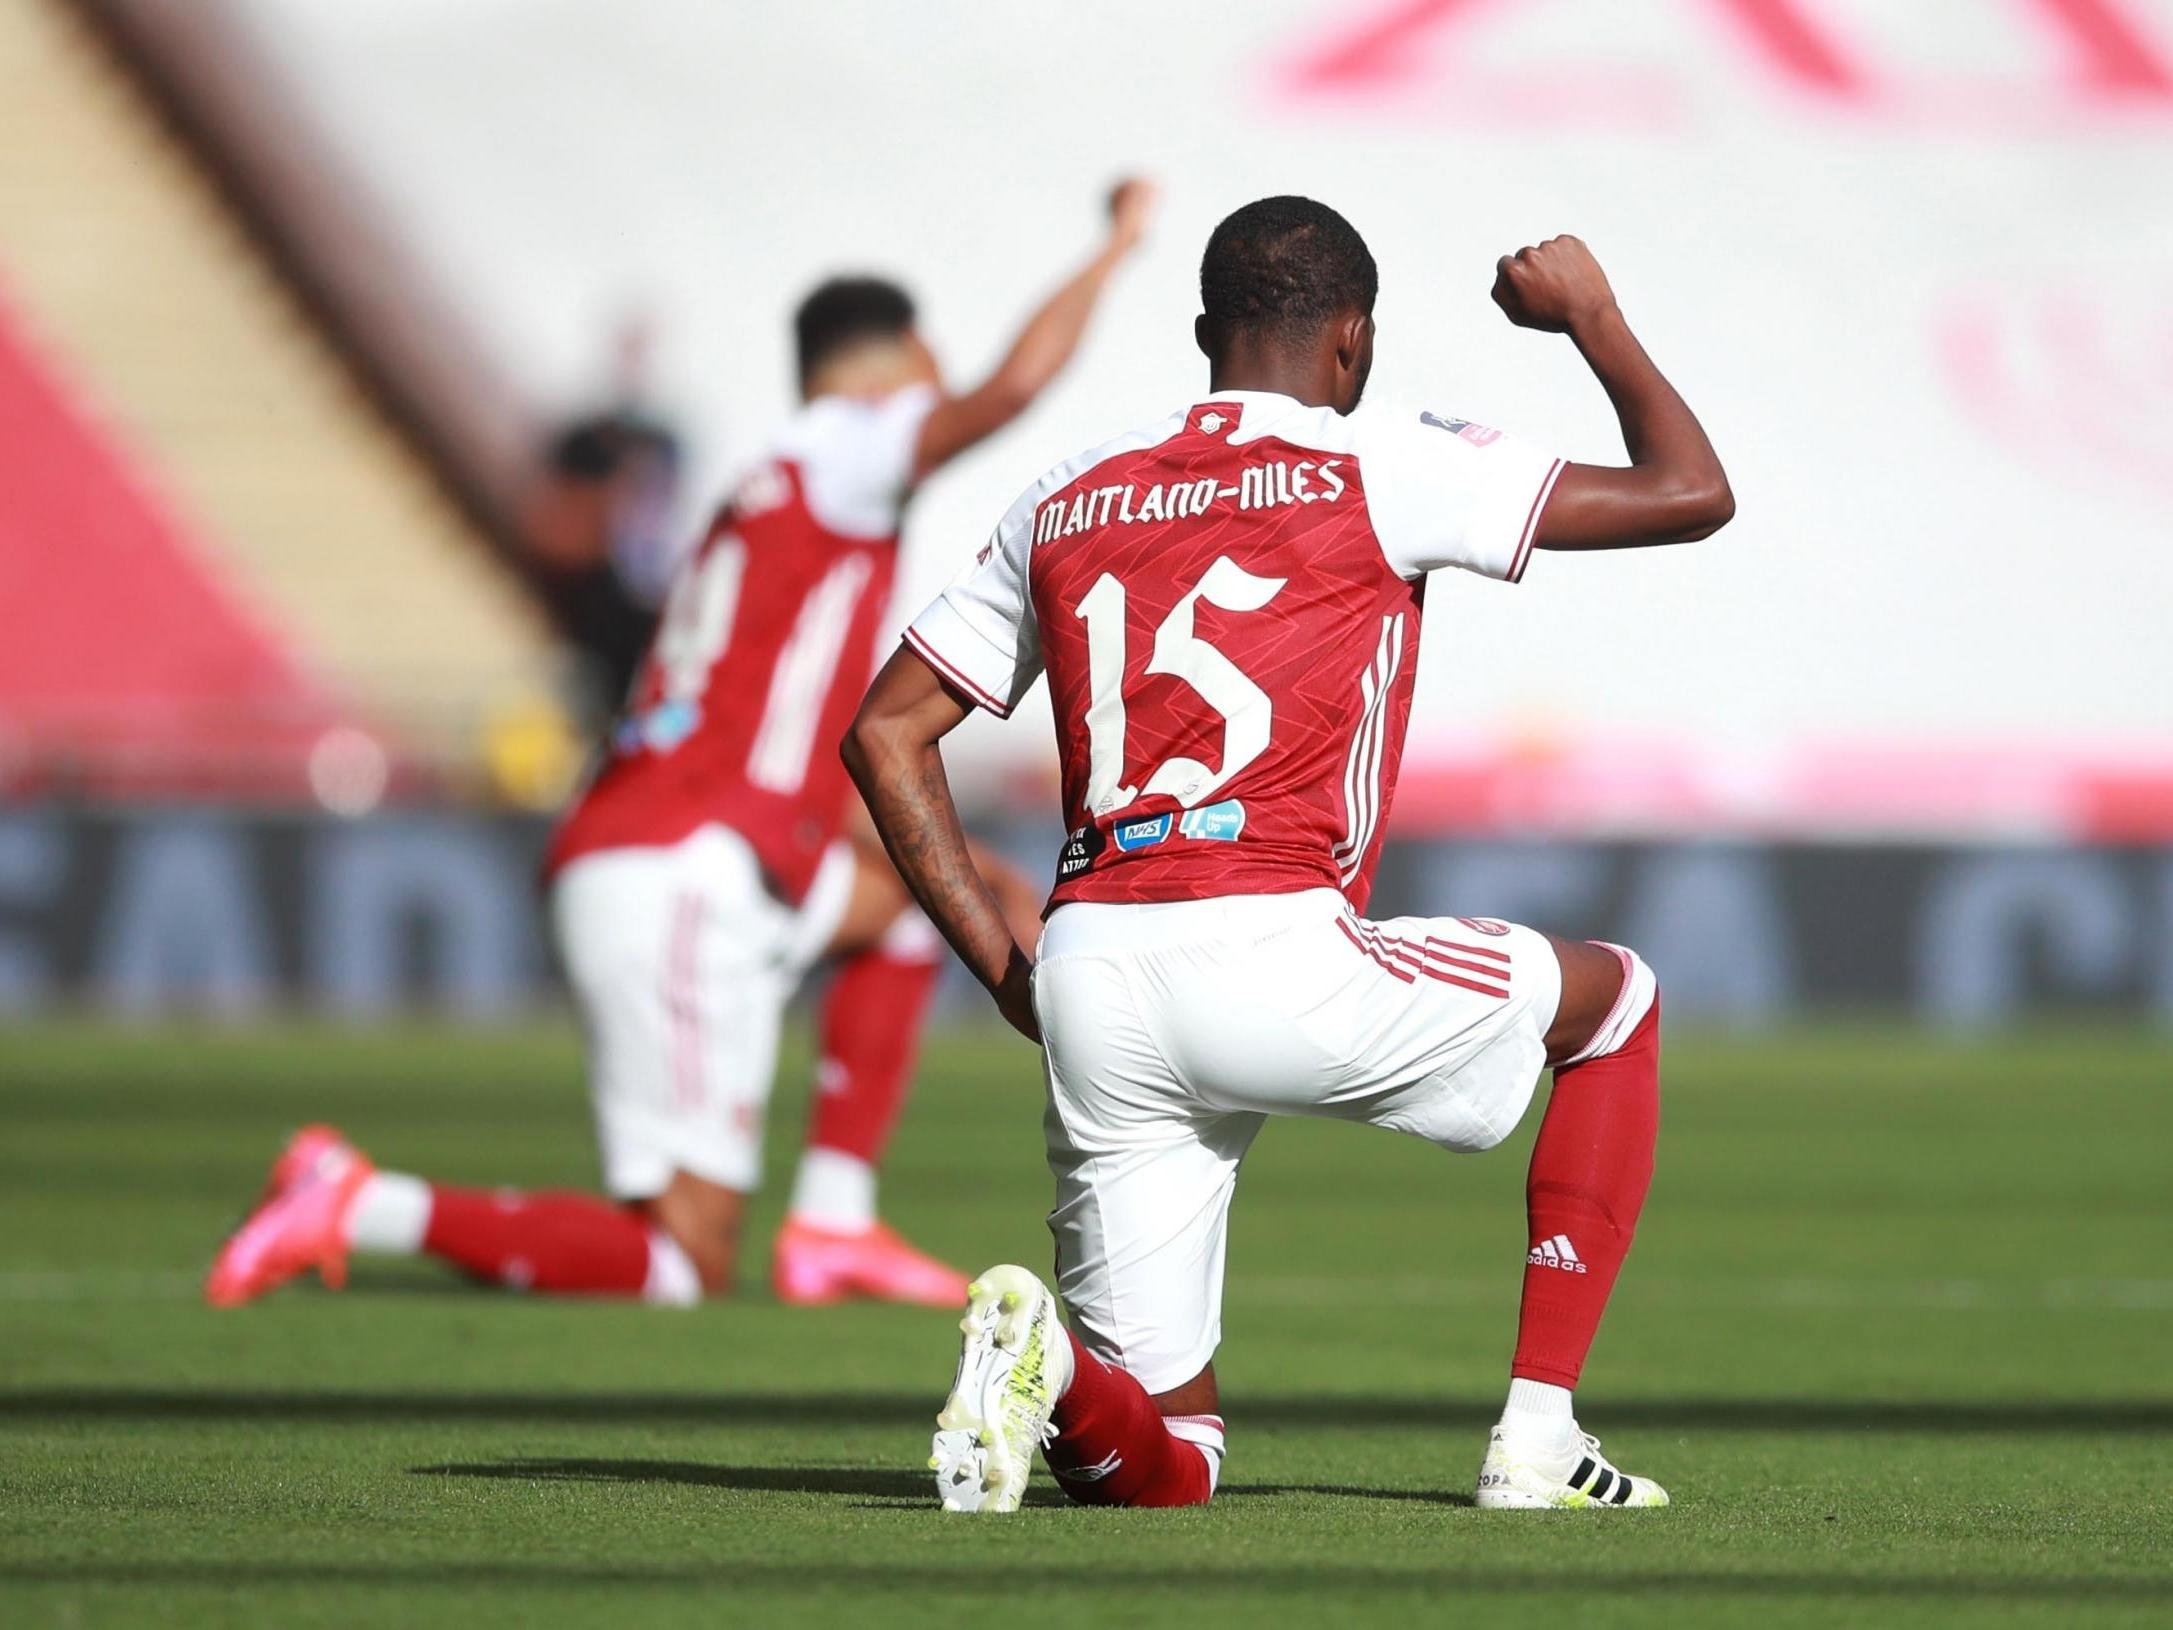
860 467
980 633
1443 491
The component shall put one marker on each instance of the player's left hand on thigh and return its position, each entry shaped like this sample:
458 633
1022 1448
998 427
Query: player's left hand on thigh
1015 998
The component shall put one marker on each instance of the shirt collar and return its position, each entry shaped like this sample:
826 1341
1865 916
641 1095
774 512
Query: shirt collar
1266 401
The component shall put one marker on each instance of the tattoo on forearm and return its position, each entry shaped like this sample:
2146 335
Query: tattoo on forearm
919 823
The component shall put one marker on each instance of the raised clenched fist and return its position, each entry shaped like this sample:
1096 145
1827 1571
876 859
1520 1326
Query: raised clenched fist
1553 286
1131 205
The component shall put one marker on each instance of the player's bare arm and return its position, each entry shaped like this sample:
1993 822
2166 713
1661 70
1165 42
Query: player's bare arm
879 894
1674 490
893 750
1043 346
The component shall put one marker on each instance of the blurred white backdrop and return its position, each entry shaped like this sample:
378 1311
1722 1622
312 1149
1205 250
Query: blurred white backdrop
1912 263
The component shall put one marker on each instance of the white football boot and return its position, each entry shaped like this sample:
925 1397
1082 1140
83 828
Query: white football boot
1013 1366
1519 1475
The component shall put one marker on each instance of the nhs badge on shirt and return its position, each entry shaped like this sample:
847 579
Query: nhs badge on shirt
1143 834
659 729
1218 823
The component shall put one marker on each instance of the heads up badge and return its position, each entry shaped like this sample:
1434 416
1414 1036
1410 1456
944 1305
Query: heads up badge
1218 823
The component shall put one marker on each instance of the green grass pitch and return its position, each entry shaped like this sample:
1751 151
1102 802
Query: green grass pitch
1898 1334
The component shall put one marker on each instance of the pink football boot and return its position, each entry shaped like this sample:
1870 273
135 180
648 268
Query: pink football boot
298 1225
813 1267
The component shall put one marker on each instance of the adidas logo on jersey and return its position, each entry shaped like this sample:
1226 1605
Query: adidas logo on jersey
1556 1253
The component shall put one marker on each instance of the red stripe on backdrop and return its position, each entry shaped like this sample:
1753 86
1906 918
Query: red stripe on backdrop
119 620
1810 55
2125 807
2119 56
1866 790
1381 48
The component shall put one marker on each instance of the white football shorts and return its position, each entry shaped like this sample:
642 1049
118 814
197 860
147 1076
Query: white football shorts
682 961
1173 1030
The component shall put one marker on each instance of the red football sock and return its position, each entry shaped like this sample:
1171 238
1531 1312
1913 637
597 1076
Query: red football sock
559 1243
871 1029
1590 1170
1113 1447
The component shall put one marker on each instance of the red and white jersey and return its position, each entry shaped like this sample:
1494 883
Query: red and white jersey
765 647
1227 605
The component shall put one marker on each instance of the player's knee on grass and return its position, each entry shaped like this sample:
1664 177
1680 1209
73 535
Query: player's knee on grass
1182 1470
1118 1445
703 1220
1607 990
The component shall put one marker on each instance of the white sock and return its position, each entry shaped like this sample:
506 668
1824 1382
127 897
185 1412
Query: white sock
390 1214
1204 1433
673 1280
912 935
1539 1413
834 1192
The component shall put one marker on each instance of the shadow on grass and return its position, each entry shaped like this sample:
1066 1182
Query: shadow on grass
1194 1577
896 1485
2126 1416
886 1487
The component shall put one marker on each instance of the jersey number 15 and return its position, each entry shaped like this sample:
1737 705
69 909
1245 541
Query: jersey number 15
1248 717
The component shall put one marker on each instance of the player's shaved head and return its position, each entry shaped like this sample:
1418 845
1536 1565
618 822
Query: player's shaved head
1286 303
845 314
1285 267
